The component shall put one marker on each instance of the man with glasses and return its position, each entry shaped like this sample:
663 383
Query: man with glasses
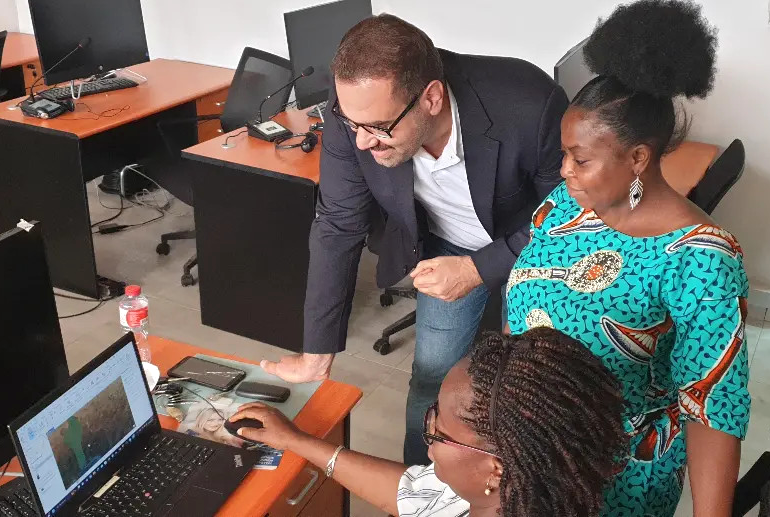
455 152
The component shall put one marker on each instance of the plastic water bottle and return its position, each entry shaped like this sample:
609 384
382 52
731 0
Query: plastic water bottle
134 317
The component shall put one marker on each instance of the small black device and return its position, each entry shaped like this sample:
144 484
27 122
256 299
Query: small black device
44 108
114 30
260 391
95 445
268 129
207 373
232 427
308 143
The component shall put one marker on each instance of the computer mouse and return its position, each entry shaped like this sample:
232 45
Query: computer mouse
232 427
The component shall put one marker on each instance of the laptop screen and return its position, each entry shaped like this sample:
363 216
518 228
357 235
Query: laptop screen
79 432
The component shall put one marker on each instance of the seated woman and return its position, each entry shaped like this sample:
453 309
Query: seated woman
529 425
642 276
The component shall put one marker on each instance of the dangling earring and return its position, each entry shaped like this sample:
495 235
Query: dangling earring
488 490
636 192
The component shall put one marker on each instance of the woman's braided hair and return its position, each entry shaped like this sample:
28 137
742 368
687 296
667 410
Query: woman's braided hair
557 422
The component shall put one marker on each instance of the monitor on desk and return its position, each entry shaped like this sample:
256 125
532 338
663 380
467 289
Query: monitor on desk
113 30
313 35
33 361
571 71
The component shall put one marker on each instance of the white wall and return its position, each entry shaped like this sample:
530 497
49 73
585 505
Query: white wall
216 32
9 18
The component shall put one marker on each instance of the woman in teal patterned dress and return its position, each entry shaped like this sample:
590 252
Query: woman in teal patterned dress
641 276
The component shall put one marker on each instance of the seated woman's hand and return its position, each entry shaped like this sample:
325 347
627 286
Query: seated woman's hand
277 431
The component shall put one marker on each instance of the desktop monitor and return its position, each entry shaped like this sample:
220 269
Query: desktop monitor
313 35
114 30
33 361
571 71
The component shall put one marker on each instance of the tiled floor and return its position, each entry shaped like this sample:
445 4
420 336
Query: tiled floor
378 420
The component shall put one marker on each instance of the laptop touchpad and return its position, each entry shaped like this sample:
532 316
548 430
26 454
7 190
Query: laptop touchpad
196 501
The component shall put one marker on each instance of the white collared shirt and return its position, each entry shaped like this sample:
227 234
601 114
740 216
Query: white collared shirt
441 185
422 494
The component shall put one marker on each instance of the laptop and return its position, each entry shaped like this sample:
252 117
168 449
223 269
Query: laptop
94 447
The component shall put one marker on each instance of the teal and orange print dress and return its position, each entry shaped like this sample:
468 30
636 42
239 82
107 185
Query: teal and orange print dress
666 316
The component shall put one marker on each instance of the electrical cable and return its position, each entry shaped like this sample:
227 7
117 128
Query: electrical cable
97 116
239 133
120 211
92 309
5 469
207 401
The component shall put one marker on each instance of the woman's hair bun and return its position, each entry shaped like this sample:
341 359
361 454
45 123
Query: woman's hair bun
664 48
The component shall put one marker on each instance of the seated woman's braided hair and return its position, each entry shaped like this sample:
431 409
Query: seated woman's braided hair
552 412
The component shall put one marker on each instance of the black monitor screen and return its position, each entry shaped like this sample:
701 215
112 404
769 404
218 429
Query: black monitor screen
114 30
31 344
313 35
572 72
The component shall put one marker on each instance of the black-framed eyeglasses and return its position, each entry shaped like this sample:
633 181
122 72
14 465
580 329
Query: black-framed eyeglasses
429 432
379 132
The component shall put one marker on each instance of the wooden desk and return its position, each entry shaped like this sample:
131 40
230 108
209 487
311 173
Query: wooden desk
253 209
326 415
20 63
263 492
687 165
20 49
45 162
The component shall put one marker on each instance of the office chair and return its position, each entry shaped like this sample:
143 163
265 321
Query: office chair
258 75
3 35
720 177
490 319
377 220
382 345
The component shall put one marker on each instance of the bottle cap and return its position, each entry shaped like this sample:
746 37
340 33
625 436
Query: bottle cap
133 290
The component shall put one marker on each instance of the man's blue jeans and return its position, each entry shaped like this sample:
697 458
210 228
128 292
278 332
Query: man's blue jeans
445 332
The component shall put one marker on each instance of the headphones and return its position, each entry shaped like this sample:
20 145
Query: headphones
308 143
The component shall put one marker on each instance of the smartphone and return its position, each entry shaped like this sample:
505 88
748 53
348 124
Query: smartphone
207 373
259 391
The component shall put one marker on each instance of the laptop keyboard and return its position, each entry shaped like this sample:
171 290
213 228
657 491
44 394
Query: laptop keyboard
148 483
16 500
141 490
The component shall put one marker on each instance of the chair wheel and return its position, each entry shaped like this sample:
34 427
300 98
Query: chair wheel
188 280
386 300
163 248
382 346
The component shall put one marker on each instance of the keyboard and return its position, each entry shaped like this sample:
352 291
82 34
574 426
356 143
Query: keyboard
147 484
90 88
16 500
318 110
142 489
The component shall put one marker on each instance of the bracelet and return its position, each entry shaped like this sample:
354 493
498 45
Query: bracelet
333 461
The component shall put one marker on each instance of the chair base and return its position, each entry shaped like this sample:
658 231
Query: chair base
164 249
382 345
187 278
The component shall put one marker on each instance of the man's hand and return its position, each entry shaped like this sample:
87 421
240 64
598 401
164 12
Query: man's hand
446 278
277 431
300 367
